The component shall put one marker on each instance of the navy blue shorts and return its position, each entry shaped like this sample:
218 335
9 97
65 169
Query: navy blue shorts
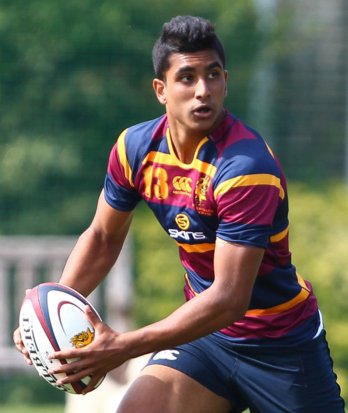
299 379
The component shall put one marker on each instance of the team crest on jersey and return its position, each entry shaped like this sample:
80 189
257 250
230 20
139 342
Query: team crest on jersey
201 191
182 185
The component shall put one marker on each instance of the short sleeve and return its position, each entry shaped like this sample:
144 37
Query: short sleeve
247 203
119 190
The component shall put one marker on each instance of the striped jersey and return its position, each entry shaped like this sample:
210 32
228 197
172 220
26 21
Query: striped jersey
233 189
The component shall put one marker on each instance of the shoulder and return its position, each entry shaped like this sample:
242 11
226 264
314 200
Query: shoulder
135 141
243 151
145 132
133 145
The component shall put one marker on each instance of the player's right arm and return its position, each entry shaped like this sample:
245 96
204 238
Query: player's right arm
97 248
93 256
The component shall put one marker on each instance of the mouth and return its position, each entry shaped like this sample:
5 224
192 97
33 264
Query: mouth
202 111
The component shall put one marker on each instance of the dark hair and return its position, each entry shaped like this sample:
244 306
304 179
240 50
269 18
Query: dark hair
184 34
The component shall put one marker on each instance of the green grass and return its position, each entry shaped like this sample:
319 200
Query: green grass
47 408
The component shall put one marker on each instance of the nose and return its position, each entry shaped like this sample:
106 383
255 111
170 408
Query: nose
202 90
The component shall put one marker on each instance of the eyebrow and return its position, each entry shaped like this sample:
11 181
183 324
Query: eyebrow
191 68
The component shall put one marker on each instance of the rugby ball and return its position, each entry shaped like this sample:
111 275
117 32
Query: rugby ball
52 318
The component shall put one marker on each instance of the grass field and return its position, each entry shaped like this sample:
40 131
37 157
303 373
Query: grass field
47 408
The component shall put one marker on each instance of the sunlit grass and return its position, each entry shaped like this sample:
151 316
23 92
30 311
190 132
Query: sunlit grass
48 408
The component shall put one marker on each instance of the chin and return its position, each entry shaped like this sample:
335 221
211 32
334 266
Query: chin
204 127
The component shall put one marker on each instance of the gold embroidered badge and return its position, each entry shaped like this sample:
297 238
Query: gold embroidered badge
82 339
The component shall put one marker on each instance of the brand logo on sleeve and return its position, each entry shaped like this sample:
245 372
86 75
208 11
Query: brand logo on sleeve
166 355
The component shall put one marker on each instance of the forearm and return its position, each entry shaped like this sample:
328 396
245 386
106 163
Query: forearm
222 304
196 318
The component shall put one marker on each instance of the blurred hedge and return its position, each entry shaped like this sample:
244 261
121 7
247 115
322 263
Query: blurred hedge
319 239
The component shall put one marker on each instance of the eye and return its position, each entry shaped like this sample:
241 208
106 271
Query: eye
187 78
214 74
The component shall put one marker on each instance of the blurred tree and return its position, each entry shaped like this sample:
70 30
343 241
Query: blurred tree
310 93
73 75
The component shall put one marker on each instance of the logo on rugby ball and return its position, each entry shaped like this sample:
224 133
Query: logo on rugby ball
82 339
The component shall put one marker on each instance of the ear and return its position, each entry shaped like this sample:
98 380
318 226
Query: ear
226 79
160 90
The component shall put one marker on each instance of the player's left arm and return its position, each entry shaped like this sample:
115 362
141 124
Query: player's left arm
236 267
223 303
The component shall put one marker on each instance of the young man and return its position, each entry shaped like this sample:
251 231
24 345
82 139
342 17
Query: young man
250 333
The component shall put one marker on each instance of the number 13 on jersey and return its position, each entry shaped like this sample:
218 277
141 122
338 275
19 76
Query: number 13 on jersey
156 182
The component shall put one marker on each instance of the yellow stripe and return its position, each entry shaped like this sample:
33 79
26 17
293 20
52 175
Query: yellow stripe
172 150
198 247
204 167
167 159
189 284
301 296
159 157
171 159
281 235
270 151
249 180
121 150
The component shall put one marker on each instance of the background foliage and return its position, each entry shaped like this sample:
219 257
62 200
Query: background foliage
74 74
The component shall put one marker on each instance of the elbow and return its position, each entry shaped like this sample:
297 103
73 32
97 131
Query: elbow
101 238
226 306
233 311
234 314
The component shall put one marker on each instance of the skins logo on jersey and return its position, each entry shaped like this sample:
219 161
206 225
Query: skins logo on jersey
183 222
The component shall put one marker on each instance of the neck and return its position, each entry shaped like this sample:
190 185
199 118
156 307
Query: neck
185 141
185 145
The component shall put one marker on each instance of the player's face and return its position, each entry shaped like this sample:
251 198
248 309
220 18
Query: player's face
193 92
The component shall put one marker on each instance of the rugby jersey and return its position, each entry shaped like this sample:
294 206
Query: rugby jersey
233 189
